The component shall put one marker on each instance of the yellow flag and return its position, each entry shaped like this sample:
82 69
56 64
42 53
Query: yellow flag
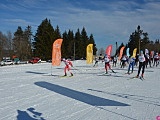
89 54
134 52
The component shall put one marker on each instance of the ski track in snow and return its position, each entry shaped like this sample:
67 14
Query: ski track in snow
30 91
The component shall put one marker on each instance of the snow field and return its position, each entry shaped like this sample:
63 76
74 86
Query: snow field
36 91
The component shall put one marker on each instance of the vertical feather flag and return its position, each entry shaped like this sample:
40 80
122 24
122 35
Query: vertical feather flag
56 52
109 50
89 54
121 52
127 52
134 52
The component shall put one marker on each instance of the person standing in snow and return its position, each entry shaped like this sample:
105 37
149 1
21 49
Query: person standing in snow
107 63
68 66
142 63
131 62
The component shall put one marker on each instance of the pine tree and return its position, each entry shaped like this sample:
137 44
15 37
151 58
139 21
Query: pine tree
57 33
3 40
91 41
43 40
28 37
77 44
64 45
138 39
84 42
18 43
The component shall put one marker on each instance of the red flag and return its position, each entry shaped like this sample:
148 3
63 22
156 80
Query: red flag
109 50
56 52
121 52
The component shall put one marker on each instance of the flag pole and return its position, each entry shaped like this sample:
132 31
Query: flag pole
51 69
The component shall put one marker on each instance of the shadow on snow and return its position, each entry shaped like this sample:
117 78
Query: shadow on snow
32 72
29 114
80 96
144 99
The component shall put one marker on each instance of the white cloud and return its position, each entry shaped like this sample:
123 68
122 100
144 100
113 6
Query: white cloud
109 21
18 22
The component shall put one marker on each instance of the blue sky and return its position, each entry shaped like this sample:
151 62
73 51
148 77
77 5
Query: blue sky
109 21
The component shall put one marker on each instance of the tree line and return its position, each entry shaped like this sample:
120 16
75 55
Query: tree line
25 45
73 45
140 40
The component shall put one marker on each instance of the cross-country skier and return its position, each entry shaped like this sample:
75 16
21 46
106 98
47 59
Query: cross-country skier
148 60
141 59
156 59
131 62
68 66
115 60
107 63
96 62
123 60
136 60
152 56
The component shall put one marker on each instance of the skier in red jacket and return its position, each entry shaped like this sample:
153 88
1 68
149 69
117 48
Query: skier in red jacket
68 66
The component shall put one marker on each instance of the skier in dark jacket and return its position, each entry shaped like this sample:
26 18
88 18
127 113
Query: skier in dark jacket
142 60
96 62
156 60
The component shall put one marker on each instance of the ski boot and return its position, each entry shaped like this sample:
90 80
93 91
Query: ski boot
65 74
71 74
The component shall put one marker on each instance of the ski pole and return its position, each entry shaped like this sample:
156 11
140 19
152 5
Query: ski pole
113 70
76 69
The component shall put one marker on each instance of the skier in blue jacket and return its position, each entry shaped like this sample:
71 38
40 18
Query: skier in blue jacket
131 62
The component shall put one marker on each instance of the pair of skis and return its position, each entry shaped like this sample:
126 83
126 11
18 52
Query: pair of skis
109 74
64 76
129 73
139 77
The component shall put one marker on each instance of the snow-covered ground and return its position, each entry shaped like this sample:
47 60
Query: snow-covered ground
30 92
